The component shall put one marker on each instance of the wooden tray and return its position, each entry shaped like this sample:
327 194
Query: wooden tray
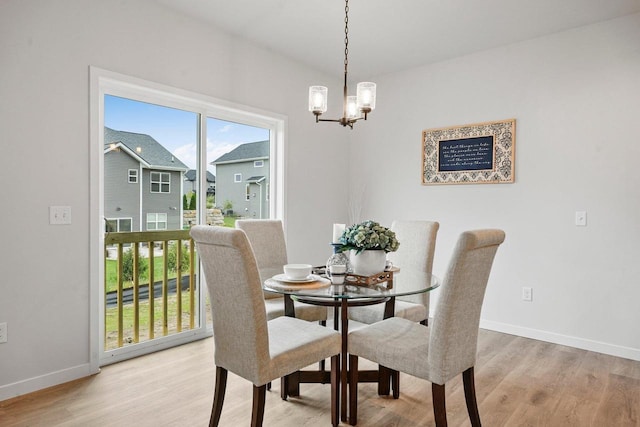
374 279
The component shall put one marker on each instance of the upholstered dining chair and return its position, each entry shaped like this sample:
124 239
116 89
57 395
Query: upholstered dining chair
266 237
417 246
246 343
444 349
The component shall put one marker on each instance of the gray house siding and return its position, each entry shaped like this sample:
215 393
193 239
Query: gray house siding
125 200
242 160
167 203
121 198
227 189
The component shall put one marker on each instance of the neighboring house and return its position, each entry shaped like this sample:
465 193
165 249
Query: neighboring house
242 177
142 183
190 183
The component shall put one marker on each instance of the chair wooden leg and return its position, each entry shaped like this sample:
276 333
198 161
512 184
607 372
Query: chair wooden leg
395 384
218 396
384 379
335 390
470 396
439 406
353 390
257 413
284 387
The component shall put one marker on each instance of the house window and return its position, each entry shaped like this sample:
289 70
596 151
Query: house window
113 225
160 182
258 163
247 192
237 177
133 176
156 221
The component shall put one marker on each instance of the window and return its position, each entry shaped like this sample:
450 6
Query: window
258 163
266 196
237 177
160 182
156 221
117 224
247 192
133 176
209 130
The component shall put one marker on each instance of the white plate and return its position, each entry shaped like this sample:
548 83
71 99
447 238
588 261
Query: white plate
283 278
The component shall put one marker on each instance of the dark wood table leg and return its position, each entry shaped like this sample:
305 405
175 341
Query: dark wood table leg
288 385
289 308
386 374
344 368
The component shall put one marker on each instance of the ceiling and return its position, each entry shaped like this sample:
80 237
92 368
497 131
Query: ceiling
391 35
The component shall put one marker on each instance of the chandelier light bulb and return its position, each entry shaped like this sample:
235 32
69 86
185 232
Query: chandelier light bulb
352 107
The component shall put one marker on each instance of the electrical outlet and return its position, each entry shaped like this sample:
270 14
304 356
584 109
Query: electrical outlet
527 294
3 332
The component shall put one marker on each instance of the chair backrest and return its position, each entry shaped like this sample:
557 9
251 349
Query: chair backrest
237 304
454 332
269 246
417 246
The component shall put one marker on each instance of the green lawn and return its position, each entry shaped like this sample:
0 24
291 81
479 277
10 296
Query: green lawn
230 221
112 274
111 320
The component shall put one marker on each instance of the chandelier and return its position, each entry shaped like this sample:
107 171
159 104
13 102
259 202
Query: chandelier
354 107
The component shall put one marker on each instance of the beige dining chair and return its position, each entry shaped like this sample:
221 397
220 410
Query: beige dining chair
246 343
266 237
446 348
417 247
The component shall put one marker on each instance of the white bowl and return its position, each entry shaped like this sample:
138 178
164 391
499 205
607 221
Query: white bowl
297 271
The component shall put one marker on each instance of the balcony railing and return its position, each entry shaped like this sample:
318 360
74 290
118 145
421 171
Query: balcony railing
144 270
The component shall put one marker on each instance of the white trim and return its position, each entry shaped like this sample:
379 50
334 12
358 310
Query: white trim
552 337
248 159
50 379
129 176
237 177
96 219
128 352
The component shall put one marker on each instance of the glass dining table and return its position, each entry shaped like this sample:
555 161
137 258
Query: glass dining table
355 291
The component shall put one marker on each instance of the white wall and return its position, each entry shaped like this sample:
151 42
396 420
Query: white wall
576 99
46 49
575 96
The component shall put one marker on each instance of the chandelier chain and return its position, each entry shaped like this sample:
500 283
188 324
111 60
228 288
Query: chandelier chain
346 35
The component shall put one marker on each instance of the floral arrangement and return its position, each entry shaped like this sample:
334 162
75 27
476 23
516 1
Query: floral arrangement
368 235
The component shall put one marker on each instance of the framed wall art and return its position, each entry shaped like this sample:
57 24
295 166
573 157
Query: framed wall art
481 153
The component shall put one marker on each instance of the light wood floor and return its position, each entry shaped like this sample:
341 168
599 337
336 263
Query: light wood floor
519 382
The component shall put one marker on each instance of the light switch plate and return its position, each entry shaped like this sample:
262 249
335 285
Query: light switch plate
59 215
581 218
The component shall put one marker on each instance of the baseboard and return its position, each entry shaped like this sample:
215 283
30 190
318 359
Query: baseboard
30 385
581 343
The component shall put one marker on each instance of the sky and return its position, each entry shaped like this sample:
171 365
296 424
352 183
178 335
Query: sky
176 129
